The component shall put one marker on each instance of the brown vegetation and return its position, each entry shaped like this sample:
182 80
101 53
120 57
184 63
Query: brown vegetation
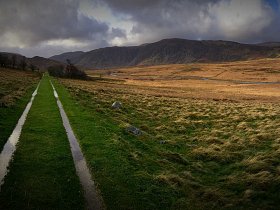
14 84
226 81
215 142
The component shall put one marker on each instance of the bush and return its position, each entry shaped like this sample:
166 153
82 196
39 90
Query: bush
4 61
70 71
56 71
73 72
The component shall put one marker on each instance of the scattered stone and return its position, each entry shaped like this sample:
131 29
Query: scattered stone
134 130
116 105
248 193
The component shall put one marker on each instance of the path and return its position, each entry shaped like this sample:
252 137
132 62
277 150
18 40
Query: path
42 173
10 146
91 195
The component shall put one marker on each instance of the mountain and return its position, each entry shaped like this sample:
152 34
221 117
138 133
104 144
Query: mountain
40 62
43 63
18 57
73 56
168 51
270 44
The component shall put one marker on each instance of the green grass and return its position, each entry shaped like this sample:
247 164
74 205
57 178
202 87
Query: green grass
16 88
109 151
42 174
9 116
216 155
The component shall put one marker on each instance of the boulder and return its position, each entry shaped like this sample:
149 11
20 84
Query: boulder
116 105
134 130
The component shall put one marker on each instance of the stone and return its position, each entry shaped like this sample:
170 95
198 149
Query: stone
134 130
248 193
116 105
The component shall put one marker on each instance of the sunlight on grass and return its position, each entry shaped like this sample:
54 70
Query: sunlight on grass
204 153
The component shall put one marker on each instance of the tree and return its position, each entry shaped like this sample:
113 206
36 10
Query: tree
70 71
73 72
33 67
1 60
56 71
23 64
4 61
14 61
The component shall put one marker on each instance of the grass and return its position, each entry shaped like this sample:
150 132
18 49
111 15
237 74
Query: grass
190 80
42 174
215 153
15 91
195 154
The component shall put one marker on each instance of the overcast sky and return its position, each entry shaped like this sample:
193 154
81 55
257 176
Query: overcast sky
49 27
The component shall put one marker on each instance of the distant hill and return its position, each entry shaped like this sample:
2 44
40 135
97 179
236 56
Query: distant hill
168 51
40 62
43 63
10 55
73 56
270 44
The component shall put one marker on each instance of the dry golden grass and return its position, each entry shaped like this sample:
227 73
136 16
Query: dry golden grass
184 80
216 143
14 84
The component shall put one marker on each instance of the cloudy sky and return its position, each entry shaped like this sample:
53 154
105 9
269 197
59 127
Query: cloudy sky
48 27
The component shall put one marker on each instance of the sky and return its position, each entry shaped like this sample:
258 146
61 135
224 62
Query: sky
50 27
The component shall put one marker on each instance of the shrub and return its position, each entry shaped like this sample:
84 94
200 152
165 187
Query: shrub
56 71
70 71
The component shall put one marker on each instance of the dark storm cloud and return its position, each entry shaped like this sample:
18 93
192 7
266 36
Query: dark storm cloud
46 50
32 21
131 6
238 20
46 27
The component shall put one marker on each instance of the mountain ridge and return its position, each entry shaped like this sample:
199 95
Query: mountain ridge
168 51
40 62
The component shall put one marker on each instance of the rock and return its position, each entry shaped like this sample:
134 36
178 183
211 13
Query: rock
248 194
134 130
116 105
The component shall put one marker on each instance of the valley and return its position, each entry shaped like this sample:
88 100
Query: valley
209 137
254 80
205 143
140 105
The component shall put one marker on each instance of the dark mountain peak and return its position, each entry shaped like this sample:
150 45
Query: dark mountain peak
38 57
73 56
172 41
168 51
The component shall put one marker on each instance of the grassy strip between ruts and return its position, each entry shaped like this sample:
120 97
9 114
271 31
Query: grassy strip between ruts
42 174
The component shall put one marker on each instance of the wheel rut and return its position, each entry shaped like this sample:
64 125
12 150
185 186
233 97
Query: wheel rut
91 195
10 147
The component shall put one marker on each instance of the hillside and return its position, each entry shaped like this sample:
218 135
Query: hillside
270 44
40 62
73 56
168 51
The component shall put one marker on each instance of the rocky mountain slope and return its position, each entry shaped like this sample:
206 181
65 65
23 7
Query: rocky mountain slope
168 51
